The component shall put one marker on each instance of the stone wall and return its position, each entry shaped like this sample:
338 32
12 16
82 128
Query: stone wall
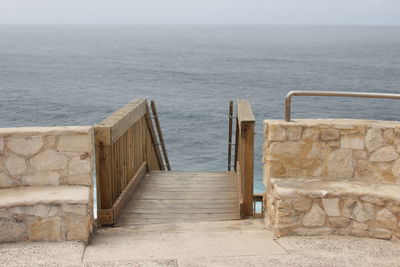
46 156
332 177
355 149
46 184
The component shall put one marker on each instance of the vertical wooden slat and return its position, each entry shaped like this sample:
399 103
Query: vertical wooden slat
230 135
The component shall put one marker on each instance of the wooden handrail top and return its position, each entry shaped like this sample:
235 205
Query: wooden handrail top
245 114
117 123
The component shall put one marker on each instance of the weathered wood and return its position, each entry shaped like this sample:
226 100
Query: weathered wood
240 191
244 112
156 201
230 115
126 194
123 144
245 153
160 135
105 216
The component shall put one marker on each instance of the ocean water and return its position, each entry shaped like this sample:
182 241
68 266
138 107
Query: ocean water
78 75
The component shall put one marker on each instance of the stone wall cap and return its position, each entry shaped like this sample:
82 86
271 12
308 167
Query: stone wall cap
25 196
317 122
333 187
56 130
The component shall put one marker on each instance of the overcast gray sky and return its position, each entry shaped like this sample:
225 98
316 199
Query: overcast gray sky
382 12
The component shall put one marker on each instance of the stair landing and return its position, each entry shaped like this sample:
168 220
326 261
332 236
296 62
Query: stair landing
173 197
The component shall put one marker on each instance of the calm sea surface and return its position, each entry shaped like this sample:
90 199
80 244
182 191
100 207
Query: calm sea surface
78 75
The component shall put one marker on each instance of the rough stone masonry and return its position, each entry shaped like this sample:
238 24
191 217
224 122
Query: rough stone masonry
332 177
46 183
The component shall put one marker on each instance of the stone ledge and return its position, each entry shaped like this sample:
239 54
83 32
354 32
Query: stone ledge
24 196
329 187
57 130
334 206
334 123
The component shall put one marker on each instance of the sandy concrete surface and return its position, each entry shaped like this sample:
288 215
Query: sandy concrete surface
229 243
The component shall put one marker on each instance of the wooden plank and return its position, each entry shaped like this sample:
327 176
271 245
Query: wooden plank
104 173
105 216
178 206
160 136
126 117
240 191
230 115
198 216
134 222
245 114
185 210
248 170
124 197
183 201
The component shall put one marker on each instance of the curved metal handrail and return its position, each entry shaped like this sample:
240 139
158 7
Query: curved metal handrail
289 96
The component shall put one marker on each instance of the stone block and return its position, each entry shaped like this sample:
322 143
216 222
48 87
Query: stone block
45 230
75 143
302 204
352 142
81 179
38 210
389 136
25 146
329 134
291 149
51 141
11 230
1 144
374 139
293 133
387 218
340 164
310 134
6 181
313 231
41 179
363 212
380 233
77 227
49 160
315 217
79 166
358 229
319 151
396 168
331 206
338 222
384 154
373 200
276 133
15 165
75 208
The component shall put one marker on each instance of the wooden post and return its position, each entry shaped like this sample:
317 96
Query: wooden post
245 151
248 170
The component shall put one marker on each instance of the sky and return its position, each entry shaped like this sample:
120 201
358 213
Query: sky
336 12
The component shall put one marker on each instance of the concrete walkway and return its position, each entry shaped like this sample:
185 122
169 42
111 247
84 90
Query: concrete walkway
227 243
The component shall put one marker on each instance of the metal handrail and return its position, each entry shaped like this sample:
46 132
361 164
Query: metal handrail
289 96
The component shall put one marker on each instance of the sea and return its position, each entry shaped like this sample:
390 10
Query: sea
79 74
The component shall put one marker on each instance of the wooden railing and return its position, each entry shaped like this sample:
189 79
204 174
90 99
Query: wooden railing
126 148
244 156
